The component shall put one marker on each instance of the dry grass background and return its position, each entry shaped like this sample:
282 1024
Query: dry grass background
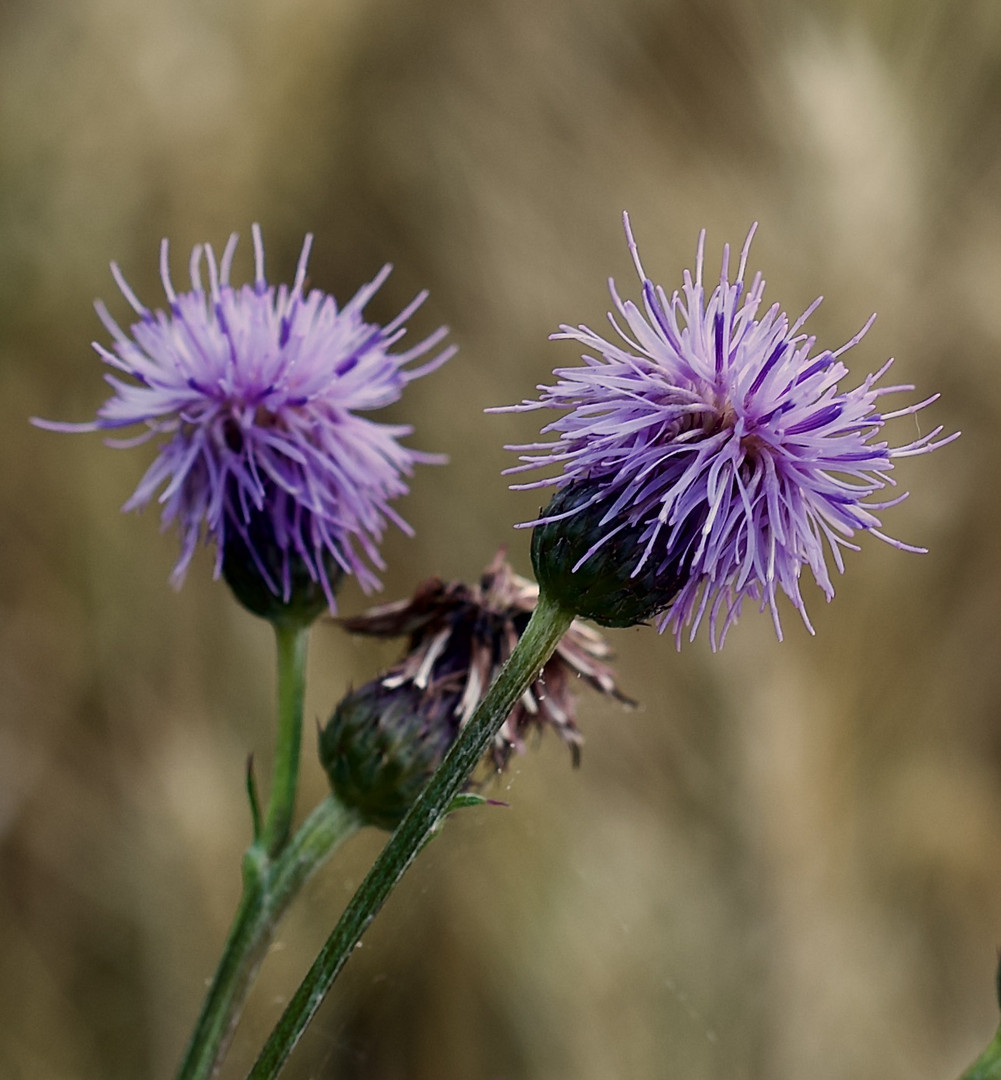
787 865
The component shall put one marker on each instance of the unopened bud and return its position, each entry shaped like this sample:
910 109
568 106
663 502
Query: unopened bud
382 744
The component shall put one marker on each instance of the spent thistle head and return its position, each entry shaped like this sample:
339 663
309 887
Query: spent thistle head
385 740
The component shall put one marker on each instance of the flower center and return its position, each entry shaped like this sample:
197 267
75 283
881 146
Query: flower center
232 429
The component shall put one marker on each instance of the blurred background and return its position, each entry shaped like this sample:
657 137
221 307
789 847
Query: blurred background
787 862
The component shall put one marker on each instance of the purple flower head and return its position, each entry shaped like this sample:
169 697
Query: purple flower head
257 395
711 449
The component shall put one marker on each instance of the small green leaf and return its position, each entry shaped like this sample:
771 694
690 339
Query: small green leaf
465 798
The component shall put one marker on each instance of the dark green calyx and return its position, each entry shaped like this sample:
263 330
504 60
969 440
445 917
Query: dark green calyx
382 744
272 580
602 587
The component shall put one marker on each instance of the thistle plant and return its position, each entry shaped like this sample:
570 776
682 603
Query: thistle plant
258 397
705 453
705 456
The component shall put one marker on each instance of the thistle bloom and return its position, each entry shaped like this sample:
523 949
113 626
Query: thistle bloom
255 394
708 455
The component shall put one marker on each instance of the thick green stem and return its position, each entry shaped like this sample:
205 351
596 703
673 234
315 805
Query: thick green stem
988 1065
269 887
548 625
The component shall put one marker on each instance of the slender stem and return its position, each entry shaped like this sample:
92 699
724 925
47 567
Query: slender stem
274 868
292 640
988 1065
265 897
220 1009
548 624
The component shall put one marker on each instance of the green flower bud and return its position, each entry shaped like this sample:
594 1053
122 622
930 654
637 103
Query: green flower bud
382 744
598 582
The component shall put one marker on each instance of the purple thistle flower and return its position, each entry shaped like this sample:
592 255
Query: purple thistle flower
255 392
712 452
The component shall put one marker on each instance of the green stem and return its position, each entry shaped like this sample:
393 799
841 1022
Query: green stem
292 640
548 624
988 1065
274 868
269 887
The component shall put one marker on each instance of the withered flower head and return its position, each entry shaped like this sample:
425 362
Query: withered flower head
459 637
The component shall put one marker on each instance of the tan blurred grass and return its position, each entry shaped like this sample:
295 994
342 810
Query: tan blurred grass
786 865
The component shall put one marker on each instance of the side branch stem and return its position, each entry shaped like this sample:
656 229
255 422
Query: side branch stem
268 889
275 866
